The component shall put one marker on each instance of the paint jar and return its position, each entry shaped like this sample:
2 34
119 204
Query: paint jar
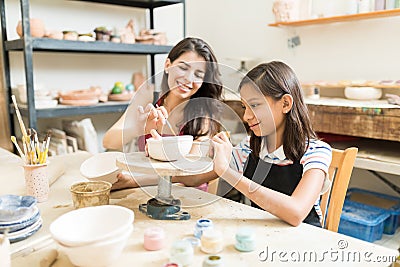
201 225
211 241
213 261
194 241
245 240
154 238
182 252
89 194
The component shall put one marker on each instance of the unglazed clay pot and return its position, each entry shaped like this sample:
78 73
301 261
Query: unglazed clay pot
37 28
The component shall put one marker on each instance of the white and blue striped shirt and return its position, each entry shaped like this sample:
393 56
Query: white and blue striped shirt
317 156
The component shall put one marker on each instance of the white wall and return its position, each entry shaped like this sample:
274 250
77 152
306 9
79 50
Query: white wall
355 50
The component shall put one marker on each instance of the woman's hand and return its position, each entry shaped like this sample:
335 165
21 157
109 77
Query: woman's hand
222 153
124 181
153 117
156 136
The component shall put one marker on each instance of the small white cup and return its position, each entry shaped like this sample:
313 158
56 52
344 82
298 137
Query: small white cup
5 259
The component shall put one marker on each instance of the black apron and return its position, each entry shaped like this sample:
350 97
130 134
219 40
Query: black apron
283 179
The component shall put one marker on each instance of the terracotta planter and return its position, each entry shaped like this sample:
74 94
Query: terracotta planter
37 28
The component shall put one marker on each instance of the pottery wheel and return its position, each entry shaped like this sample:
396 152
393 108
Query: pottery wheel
138 162
164 206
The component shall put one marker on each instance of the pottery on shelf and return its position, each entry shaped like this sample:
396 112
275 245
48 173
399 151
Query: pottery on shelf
37 28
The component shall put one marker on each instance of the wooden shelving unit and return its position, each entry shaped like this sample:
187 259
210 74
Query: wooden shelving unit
377 84
343 18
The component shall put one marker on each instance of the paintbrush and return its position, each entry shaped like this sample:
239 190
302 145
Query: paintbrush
168 124
21 122
14 140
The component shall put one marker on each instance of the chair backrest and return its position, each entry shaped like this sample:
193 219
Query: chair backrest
339 173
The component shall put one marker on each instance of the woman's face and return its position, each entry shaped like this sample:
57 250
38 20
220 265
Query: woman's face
263 114
185 74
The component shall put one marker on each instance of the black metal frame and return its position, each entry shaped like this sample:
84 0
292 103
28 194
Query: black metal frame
28 45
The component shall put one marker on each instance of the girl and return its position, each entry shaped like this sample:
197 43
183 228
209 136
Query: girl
191 90
287 169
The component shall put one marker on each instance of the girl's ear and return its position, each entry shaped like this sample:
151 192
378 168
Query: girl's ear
287 103
167 65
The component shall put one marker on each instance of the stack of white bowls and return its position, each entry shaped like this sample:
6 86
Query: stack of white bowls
93 236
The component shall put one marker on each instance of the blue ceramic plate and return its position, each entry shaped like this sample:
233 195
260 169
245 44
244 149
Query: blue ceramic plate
21 223
13 207
26 232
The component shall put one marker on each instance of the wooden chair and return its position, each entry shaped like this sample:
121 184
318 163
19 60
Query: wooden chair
339 173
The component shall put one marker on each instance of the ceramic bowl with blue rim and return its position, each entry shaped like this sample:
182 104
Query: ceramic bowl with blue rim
26 232
21 223
14 207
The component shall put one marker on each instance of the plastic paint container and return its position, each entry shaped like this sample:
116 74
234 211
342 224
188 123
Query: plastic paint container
245 240
201 225
154 238
213 261
194 241
182 252
211 241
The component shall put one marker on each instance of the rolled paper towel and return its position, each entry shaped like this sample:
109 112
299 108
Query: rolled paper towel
55 169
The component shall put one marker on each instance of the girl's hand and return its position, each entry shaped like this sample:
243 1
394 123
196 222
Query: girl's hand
222 153
153 118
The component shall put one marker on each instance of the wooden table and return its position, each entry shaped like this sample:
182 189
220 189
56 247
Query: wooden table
276 241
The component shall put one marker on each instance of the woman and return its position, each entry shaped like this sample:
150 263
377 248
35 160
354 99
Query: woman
191 93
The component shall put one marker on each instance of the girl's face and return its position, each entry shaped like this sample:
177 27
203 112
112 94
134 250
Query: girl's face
185 74
264 115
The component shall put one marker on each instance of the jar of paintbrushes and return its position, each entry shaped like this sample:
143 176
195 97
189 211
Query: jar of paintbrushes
34 156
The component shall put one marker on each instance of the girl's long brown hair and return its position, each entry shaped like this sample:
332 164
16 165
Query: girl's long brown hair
195 114
275 79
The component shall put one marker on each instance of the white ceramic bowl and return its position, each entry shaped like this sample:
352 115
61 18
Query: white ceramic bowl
92 224
98 254
101 167
169 148
363 93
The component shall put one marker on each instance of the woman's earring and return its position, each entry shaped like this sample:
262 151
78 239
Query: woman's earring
166 71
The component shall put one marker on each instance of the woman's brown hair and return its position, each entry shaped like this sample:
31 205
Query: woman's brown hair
275 79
